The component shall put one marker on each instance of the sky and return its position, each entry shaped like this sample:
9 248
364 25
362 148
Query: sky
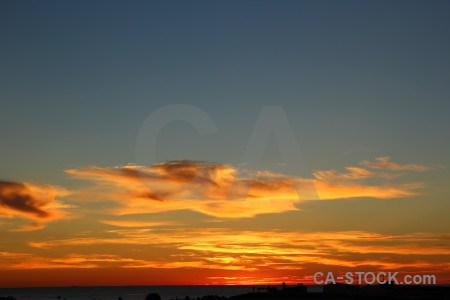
222 142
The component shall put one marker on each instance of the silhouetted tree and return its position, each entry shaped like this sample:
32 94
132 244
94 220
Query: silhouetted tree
153 296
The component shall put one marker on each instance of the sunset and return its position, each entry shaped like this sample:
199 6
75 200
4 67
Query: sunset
117 224
211 143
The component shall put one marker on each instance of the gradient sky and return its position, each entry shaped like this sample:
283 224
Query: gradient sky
365 89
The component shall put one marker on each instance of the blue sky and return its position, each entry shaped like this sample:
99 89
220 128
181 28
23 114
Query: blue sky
79 78
357 80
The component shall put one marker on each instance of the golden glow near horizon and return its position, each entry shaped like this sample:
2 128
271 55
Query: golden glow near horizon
125 224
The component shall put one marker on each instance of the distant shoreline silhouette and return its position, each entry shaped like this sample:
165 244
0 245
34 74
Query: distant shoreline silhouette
339 291
282 292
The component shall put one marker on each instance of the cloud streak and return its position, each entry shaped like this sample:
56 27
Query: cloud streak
28 261
35 202
127 223
385 163
227 192
220 248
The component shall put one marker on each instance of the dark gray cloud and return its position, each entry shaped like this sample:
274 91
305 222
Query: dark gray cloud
31 201
18 197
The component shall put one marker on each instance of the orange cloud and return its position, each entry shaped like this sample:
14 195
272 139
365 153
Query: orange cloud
27 261
385 163
31 201
353 173
219 248
120 223
30 227
223 191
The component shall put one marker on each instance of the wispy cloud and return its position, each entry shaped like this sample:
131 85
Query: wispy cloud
220 248
31 226
385 163
129 223
227 192
353 173
36 202
28 261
